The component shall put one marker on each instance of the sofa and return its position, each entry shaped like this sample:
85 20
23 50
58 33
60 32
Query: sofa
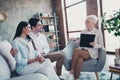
8 65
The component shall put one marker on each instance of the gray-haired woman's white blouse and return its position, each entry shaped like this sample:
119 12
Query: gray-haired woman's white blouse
98 41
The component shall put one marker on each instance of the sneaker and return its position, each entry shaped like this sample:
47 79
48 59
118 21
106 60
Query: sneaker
70 77
61 78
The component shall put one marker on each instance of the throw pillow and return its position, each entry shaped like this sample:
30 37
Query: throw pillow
68 52
5 52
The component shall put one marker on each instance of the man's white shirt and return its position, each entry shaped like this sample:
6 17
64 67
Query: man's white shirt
40 42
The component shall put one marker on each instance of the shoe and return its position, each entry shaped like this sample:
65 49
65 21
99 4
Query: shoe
70 77
61 78
76 79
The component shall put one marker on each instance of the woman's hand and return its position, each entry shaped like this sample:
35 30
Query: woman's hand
37 58
92 44
40 58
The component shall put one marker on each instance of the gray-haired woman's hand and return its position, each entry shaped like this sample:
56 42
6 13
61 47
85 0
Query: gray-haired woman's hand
92 44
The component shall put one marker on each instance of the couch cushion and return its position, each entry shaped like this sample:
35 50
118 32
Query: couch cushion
5 52
4 69
90 62
35 76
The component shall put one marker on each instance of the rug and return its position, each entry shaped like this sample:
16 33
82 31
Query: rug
103 75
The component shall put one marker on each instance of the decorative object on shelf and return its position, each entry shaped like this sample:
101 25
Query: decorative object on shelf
117 58
3 17
46 28
52 36
117 53
36 15
112 24
51 28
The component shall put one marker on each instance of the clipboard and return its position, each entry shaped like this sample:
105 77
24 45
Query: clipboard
85 40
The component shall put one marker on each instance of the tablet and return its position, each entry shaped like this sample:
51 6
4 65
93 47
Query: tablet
85 40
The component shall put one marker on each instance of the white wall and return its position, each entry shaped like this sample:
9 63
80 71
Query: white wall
19 10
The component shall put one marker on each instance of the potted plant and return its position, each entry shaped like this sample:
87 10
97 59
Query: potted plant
113 24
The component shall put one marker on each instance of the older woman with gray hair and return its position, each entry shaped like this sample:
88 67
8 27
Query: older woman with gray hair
80 54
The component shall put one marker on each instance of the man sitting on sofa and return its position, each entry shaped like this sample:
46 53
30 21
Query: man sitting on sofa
40 43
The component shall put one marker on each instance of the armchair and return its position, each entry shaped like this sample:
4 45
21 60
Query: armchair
91 65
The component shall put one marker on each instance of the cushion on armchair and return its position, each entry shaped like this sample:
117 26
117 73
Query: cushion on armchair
68 52
5 52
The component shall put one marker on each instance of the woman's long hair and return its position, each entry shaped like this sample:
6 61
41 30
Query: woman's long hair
19 29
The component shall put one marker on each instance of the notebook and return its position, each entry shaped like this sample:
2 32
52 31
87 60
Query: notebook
85 40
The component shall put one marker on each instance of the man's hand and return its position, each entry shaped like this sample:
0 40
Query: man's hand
42 53
72 39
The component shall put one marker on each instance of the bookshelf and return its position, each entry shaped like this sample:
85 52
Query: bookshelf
50 29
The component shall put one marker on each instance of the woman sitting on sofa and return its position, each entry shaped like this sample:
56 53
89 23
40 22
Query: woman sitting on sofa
28 59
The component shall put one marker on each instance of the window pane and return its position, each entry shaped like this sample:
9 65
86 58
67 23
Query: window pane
111 41
69 2
113 5
76 17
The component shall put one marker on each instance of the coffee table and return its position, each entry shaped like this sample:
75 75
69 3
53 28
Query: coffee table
114 70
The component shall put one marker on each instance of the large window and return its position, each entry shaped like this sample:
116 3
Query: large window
111 41
76 14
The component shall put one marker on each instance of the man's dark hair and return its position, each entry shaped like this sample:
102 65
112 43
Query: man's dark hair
33 22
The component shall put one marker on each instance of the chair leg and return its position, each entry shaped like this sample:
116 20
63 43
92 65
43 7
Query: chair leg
96 74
